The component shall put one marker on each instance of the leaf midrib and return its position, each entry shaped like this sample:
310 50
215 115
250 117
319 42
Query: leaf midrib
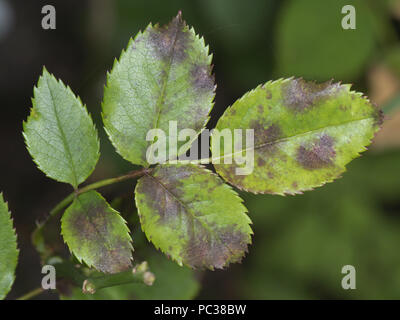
285 139
194 217
161 97
63 137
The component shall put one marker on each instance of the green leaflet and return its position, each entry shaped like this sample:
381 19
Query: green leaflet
164 75
97 234
304 134
8 249
192 216
60 134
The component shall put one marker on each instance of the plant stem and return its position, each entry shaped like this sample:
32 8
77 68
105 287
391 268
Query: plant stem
139 274
66 270
61 205
31 294
106 182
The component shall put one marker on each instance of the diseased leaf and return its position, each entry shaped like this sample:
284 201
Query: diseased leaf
304 134
164 75
8 250
192 216
60 134
97 234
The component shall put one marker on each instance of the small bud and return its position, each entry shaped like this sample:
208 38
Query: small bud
88 287
148 278
143 267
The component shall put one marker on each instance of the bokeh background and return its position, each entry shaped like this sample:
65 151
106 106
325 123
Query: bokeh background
301 242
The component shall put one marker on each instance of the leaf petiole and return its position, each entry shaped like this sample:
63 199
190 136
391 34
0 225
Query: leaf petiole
31 294
66 201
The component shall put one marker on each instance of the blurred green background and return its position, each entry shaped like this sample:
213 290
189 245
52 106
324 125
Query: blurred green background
301 242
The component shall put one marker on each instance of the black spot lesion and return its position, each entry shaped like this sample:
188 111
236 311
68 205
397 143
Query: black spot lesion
163 190
116 258
378 116
205 250
157 199
320 154
273 133
86 224
202 78
172 40
301 95
260 161
266 138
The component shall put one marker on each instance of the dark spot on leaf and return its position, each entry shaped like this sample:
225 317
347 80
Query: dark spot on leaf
260 161
265 137
300 95
93 226
320 155
164 186
172 40
273 133
268 94
228 246
270 175
84 224
294 185
115 259
260 108
162 203
378 116
202 79
142 218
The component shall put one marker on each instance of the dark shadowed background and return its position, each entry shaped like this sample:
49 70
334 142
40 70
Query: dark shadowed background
301 243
